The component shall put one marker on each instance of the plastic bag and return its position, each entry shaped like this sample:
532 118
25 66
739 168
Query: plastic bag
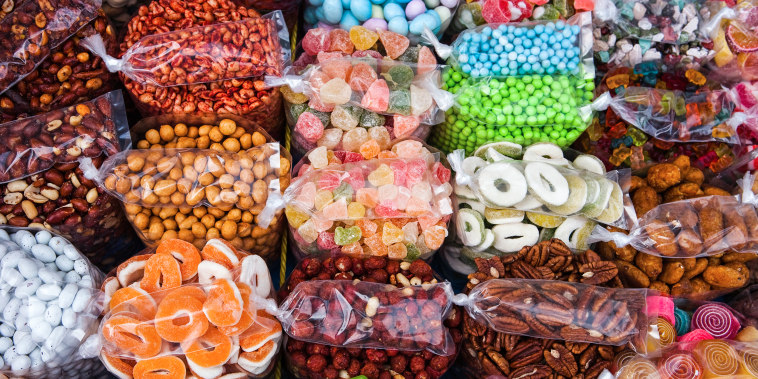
43 184
537 186
220 194
187 310
675 116
382 86
499 50
48 292
203 54
730 28
655 21
33 29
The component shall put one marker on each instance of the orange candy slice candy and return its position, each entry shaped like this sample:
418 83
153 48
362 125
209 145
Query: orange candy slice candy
162 272
121 368
210 350
167 367
130 334
246 321
183 251
135 300
132 269
223 307
264 330
256 361
221 252
180 318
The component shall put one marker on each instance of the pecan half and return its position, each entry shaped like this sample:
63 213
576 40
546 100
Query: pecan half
598 272
561 360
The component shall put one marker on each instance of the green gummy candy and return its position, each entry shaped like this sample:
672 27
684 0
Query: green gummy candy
398 77
413 252
400 102
410 54
370 119
296 110
323 116
346 236
344 190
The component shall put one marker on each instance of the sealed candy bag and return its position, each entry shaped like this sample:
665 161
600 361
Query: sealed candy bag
671 23
477 12
247 48
730 28
181 311
49 300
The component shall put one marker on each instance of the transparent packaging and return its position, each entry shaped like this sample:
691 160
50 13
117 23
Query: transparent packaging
647 20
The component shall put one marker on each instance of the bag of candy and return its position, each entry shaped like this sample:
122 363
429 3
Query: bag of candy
197 55
525 48
648 20
48 293
178 310
730 28
382 86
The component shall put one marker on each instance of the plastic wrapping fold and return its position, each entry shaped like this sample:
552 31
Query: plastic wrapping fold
386 87
203 54
540 187
33 29
49 299
181 310
675 116
517 49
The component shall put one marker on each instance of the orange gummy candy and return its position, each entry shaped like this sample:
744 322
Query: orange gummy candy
166 367
212 349
180 318
162 272
184 252
223 307
132 335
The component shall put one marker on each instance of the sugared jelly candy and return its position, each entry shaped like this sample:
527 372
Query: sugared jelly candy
331 138
340 41
386 154
337 68
322 223
377 96
354 138
415 172
362 38
376 246
343 119
423 191
356 210
413 253
434 236
353 249
316 40
427 62
397 251
404 126
292 96
355 178
325 241
295 216
324 56
394 44
400 102
391 234
307 231
441 172
421 100
316 103
368 227
322 199
387 211
399 76
417 207
497 11
336 210
369 119
381 176
335 91
317 157
361 77
403 195
309 126
346 236
387 193
410 232
344 191
306 195
370 149
369 197
381 135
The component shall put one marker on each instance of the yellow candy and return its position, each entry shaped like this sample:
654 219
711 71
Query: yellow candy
356 210
323 198
292 96
295 216
362 38
391 234
544 221
381 176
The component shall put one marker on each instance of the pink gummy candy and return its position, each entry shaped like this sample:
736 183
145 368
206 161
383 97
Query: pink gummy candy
328 180
307 194
441 172
580 5
304 168
325 241
318 105
377 96
316 40
415 172
496 11
404 126
337 68
386 211
324 56
309 126
336 210
348 156
361 77
426 60
408 148
355 178
399 168
367 53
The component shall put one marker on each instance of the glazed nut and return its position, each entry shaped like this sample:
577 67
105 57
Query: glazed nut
372 305
40 20
63 74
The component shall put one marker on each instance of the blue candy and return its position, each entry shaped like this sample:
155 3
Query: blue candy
392 10
398 25
345 4
361 9
333 11
348 20
309 16
315 3
378 2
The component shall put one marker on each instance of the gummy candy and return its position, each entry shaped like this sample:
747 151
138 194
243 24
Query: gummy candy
343 191
394 44
321 223
369 119
434 236
343 119
306 195
426 61
369 197
354 138
317 157
295 110
370 149
381 176
411 55
496 11
375 244
324 56
398 76
331 138
337 68
356 210
391 234
421 100
323 116
404 126
377 96
386 154
292 96
307 231
332 158
584 5
346 236
412 251
368 227
316 103
337 210
355 178
361 77
353 249
415 172
408 149
328 180
417 207
362 38
309 126
350 156
295 217
316 40
386 211
441 172
340 41
403 195
335 91
410 232
397 251
400 102
381 135
387 193
322 199
325 241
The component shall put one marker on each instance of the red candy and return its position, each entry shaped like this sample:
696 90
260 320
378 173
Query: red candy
441 172
316 40
309 126
325 241
328 180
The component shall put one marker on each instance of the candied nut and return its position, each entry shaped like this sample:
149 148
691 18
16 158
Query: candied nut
730 275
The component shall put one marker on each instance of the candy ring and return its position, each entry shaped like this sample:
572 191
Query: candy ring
180 318
255 272
162 272
218 251
121 368
589 163
717 358
109 287
504 148
545 152
502 184
510 238
638 368
257 361
502 216
615 208
209 271
546 183
470 227
574 231
184 252
166 367
135 300
212 349
717 320
472 164
205 372
246 320
265 329
679 366
577 197
130 334
132 269
223 307
530 202
598 194
189 291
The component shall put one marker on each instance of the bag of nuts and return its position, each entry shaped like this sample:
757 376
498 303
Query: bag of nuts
33 29
41 178
410 326
68 76
244 97
178 186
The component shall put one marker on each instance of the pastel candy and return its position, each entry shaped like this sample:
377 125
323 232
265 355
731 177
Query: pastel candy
377 96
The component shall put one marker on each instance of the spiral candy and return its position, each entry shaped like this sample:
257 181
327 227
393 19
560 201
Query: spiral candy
679 366
718 358
716 319
639 368
749 361
682 321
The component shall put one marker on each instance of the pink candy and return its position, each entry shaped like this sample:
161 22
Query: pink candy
377 96
660 306
309 126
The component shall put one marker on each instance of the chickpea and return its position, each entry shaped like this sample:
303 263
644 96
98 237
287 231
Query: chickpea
177 198
215 212
167 133
245 202
169 234
169 224
244 229
123 185
234 214
198 230
170 145
184 185
141 220
208 221
179 218
228 196
248 244
246 141
212 194
135 162
167 212
226 181
217 147
256 209
185 235
260 193
153 136
258 139
218 224
247 217
200 163
180 130
175 173
204 130
155 232
187 158
227 126
203 142
110 182
185 143
260 170
153 156
247 176
215 166
258 232
284 166
132 197
165 164
199 211
236 242
185 209
246 163
231 144
229 230
232 167
206 179
149 198
241 187
195 196
189 173
215 134
239 132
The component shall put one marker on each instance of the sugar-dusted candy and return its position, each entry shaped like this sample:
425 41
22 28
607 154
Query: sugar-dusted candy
403 195
368 197
337 68
391 234
355 211
368 227
408 149
394 44
426 61
381 136
387 194
344 191
434 236
410 232
387 211
340 41
441 172
381 176
361 77
399 76
353 249
325 241
362 38
323 116
415 172
295 217
309 126
292 96
411 55
355 178
295 110
421 100
316 103
397 251
412 252
400 102
377 96
423 191
316 40
417 207
325 56
336 210
317 157
376 245
370 149
343 118
307 231
331 138
349 156
335 92
404 126
353 139
323 198
322 223
307 195
346 236
369 119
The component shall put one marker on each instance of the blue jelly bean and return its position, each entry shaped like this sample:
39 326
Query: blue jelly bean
333 11
315 3
377 2
348 20
309 16
436 17
320 13
401 2
361 9
345 4
392 10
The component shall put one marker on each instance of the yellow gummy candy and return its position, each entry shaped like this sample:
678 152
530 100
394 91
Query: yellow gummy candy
362 38
295 216
544 221
391 234
323 198
292 96
381 176
356 210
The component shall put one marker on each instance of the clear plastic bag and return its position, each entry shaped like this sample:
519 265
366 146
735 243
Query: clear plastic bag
182 310
386 87
505 48
730 28
33 29
203 54
539 187
654 21
675 116
48 292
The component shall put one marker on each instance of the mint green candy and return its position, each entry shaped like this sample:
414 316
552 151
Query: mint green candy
346 236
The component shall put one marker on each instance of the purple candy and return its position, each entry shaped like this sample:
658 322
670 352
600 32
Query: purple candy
449 3
716 319
375 24
414 9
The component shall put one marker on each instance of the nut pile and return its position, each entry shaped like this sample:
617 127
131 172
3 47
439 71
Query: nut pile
238 96
198 195
71 74
311 360
513 356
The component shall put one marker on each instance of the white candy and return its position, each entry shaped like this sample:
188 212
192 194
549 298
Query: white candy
492 179
71 252
72 277
63 263
68 319
86 282
5 344
23 342
66 297
27 288
28 268
48 276
81 267
43 237
512 237
58 244
53 315
6 330
47 356
11 276
10 354
21 322
20 364
33 308
10 312
11 259
36 358
4 298
25 239
547 183
41 329
44 253
54 341
81 300
48 292
4 235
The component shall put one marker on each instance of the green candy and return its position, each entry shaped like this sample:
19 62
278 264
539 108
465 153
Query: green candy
371 119
295 110
346 236
400 102
323 116
344 190
399 77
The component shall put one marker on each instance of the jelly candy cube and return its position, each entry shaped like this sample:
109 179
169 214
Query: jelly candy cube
427 221
367 53
292 96
317 79
317 157
411 55
394 44
344 191
343 119
496 11
417 207
381 136
340 41
408 149
306 195
356 210
434 236
309 126
350 156
346 236
316 103
332 158
387 193
331 138
324 56
369 197
368 227
335 91
322 199
361 77
399 168
325 241
415 172
354 138
322 223
423 191
304 169
399 76
427 62
412 252
410 232
386 211
370 149
421 246
308 232
295 216
328 181
376 246
404 126
337 69
370 119
386 154
336 210
403 195
323 116
397 251
295 110
421 100
400 102
354 249
381 176
391 234
362 38
441 172
377 96
355 178
316 40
